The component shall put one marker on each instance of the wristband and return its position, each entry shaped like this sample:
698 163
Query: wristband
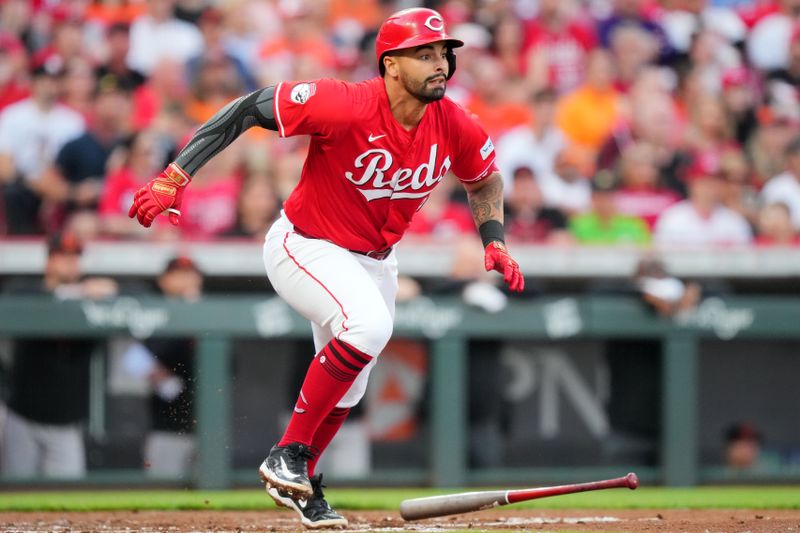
492 230
177 174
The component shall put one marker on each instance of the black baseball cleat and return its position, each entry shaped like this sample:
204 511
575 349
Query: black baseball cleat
315 512
285 468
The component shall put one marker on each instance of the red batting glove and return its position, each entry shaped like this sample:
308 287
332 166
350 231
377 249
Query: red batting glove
497 258
164 193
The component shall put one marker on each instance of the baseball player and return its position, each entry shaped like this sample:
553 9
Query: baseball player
377 150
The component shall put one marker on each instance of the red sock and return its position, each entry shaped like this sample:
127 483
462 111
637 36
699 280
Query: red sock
328 378
325 433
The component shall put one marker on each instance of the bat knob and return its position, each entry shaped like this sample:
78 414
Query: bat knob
633 480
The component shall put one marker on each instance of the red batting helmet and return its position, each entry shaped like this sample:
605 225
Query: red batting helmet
414 27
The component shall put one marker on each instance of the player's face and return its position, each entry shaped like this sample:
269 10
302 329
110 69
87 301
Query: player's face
64 267
423 71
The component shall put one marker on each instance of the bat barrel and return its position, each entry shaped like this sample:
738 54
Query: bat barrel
419 508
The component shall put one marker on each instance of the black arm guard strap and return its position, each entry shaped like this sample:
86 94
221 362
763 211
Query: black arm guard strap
492 230
226 125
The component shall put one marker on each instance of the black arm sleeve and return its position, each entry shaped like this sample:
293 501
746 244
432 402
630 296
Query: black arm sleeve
226 125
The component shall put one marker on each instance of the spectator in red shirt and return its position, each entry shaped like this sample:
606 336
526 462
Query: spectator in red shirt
142 161
210 207
775 227
165 88
66 39
640 193
651 119
507 41
14 83
556 47
441 217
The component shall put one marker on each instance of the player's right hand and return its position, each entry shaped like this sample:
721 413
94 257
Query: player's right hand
497 258
163 193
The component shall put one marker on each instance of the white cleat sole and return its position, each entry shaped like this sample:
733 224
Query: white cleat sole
297 490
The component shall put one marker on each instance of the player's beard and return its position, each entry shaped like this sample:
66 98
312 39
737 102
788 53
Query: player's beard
422 91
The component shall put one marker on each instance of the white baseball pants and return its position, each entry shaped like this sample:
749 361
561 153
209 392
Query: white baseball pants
344 294
28 448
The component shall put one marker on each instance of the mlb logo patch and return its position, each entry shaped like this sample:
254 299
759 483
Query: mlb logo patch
302 92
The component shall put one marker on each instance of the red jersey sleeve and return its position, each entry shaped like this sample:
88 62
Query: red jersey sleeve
320 107
473 149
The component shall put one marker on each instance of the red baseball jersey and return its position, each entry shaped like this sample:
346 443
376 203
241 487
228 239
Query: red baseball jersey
365 176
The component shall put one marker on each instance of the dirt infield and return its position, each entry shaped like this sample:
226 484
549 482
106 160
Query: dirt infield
652 521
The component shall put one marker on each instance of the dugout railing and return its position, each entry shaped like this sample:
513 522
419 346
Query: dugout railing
447 324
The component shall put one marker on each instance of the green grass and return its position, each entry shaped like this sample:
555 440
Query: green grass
750 497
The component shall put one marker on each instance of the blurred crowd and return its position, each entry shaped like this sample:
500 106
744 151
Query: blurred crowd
615 121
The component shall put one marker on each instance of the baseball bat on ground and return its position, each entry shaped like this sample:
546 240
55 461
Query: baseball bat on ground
465 502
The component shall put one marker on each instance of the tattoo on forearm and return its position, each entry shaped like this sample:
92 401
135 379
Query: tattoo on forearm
226 125
487 202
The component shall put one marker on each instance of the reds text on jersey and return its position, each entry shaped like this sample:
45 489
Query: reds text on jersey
365 176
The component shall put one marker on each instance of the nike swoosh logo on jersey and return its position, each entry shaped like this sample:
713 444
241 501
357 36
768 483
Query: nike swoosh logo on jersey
287 474
375 137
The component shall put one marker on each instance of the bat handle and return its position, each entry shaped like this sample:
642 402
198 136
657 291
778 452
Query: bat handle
632 480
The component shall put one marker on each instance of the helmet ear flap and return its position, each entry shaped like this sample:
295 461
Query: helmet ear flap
451 62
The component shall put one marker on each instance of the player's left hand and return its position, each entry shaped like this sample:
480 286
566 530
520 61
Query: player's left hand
163 194
496 257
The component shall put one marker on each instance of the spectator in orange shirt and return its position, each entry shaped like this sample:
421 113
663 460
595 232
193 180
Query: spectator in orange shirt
217 82
118 12
301 51
587 115
366 13
491 101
